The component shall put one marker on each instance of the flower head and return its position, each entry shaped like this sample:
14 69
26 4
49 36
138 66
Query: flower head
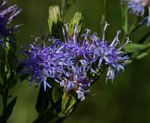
137 7
72 61
43 63
6 17
110 54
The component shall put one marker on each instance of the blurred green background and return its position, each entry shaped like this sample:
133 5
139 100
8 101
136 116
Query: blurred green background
127 100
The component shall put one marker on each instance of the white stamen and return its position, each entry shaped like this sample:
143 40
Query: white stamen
116 39
75 34
105 27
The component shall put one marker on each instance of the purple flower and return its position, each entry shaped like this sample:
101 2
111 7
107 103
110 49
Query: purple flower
72 62
137 7
43 63
6 17
78 82
110 54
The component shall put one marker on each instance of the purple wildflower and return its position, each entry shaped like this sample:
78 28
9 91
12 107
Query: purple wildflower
71 62
87 51
110 54
137 7
44 62
6 17
78 82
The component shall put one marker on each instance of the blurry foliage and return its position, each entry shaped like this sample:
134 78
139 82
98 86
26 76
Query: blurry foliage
65 4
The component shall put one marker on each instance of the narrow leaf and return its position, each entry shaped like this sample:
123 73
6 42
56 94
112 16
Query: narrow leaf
10 107
131 48
44 99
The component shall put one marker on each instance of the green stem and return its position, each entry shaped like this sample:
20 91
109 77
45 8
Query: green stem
7 77
5 101
4 88
105 7
104 15
63 4
125 18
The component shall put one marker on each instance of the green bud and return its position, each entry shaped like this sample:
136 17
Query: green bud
55 19
76 20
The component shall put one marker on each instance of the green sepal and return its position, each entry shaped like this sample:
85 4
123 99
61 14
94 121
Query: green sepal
75 21
68 104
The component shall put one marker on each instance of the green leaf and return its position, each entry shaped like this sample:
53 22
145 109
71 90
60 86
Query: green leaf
132 48
10 107
138 51
44 100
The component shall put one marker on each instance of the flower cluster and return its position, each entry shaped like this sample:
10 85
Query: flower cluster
72 61
6 17
137 7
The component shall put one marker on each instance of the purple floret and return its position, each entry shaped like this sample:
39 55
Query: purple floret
6 17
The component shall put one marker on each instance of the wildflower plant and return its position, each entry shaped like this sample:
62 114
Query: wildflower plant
67 61
71 62
8 58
